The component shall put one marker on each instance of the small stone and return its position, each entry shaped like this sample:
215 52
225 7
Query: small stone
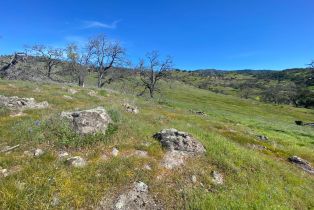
76 161
55 201
115 152
135 199
63 154
194 179
92 93
72 91
147 167
38 152
140 153
217 178
262 138
4 172
130 108
67 97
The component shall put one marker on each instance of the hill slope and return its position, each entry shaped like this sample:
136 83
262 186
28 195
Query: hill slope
256 173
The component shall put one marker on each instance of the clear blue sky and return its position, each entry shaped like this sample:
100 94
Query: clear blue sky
221 34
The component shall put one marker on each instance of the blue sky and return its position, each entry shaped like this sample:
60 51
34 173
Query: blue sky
221 34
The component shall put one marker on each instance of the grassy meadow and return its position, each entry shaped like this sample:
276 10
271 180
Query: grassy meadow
254 179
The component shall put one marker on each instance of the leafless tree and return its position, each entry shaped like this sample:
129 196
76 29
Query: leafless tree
152 69
311 65
79 60
51 56
105 55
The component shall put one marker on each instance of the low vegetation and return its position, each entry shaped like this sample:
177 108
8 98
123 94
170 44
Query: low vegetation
228 126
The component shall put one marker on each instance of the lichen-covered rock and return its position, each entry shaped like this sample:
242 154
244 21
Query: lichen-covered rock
76 161
217 178
174 159
88 121
16 103
179 146
171 139
302 164
137 198
38 152
130 108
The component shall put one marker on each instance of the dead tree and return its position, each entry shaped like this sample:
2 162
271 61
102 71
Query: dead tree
51 56
79 61
105 55
17 57
152 69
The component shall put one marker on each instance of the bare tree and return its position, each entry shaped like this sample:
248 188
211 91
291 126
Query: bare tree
152 69
105 55
79 60
51 56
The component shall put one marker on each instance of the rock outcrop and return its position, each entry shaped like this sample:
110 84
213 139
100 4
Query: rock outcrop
88 121
179 146
16 103
302 164
171 139
137 198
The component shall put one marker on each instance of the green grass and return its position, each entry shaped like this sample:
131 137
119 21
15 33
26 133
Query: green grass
253 179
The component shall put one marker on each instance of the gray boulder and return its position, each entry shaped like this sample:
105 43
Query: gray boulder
302 164
179 146
16 103
88 121
171 139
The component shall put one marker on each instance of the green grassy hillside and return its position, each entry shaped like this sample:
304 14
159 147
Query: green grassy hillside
254 179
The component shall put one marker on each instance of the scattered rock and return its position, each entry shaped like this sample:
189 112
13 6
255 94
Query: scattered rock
198 112
115 152
67 97
139 153
63 154
4 172
76 161
72 91
217 178
302 164
173 159
130 108
137 198
92 93
171 139
262 138
194 179
16 103
38 152
257 147
180 146
88 121
55 201
147 167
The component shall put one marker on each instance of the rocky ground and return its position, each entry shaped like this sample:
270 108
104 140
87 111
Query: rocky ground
81 148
